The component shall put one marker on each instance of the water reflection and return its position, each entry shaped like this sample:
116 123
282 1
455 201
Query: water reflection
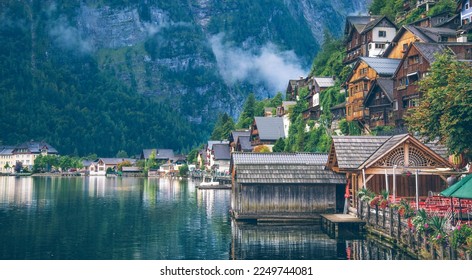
149 218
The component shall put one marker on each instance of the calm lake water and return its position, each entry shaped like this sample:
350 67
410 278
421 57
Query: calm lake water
99 218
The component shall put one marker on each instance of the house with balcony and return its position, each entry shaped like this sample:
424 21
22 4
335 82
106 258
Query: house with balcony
409 34
379 103
367 36
365 72
414 67
294 87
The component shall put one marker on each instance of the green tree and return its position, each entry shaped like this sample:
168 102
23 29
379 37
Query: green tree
183 170
279 146
445 110
223 127
247 115
121 154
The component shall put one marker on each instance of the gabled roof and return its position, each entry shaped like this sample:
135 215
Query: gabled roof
385 84
383 66
211 143
352 151
35 147
360 22
238 133
221 152
270 128
280 168
324 82
358 152
245 143
6 150
161 154
428 50
373 23
116 161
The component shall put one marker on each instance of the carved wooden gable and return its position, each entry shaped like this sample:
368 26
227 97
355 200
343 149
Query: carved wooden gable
408 154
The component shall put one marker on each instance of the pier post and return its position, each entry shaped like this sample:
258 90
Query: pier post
391 220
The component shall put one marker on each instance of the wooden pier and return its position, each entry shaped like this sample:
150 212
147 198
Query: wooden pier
334 224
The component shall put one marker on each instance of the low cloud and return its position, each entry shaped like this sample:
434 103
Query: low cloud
266 65
68 37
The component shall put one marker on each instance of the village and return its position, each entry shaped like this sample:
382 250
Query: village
396 185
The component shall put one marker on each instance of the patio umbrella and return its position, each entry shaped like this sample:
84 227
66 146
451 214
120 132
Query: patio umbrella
461 189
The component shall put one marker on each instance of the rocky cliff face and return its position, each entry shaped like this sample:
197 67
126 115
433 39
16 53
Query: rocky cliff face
205 54
68 67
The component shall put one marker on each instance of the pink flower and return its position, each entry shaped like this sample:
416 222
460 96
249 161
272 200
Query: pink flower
459 227
439 236
426 226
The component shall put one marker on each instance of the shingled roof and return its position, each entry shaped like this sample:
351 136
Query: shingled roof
279 168
352 151
270 128
383 66
221 152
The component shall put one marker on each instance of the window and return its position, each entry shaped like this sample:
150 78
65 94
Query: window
403 81
405 47
410 103
363 71
466 6
382 33
366 86
414 59
380 46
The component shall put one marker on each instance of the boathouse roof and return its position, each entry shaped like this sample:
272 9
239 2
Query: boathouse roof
282 168
358 152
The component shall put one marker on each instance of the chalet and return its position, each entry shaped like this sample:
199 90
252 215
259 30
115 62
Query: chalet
209 161
367 36
409 34
400 164
100 166
221 156
160 155
24 153
284 186
266 131
319 84
414 66
285 107
360 81
378 102
243 144
294 87
446 19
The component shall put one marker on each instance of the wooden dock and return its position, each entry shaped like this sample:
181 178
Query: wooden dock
215 187
334 224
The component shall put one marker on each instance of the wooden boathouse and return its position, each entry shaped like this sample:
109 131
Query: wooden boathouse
284 186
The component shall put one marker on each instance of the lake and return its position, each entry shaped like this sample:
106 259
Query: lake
100 218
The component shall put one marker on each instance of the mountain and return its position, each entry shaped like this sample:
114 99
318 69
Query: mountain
107 75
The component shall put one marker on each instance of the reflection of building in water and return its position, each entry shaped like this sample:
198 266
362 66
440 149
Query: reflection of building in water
283 241
169 188
96 186
206 199
16 190
371 249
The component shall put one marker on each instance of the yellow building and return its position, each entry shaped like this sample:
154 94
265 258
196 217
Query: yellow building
24 153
